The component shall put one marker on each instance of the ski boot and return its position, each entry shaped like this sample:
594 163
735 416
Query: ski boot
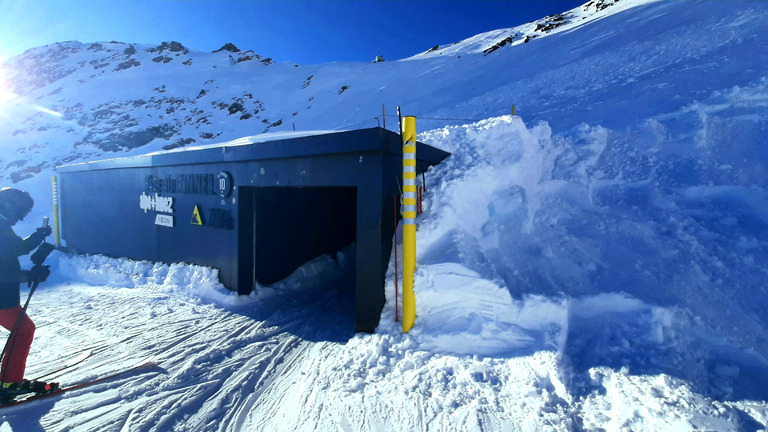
9 391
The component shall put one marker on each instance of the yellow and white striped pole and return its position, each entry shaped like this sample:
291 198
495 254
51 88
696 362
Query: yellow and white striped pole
409 221
55 211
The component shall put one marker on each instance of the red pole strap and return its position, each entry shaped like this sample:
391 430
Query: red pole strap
418 200
419 196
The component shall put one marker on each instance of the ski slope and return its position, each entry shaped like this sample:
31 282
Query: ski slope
595 263
483 355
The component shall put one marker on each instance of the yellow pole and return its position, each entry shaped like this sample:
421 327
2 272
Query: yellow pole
409 221
55 211
513 110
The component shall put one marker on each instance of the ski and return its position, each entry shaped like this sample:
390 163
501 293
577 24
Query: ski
145 362
74 362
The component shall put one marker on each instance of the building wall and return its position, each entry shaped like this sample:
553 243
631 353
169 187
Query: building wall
102 213
147 207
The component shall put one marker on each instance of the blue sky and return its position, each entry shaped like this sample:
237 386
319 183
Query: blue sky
300 31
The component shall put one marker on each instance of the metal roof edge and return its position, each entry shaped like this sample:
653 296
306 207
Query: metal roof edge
378 140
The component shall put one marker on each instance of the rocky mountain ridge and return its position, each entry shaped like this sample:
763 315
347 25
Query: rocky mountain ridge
491 41
66 93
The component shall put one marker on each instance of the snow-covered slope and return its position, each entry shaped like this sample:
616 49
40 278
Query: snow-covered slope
596 263
489 42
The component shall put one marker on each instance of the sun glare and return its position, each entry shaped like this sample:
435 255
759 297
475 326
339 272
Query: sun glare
6 95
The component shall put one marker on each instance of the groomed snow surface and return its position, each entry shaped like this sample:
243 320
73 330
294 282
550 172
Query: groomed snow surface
514 218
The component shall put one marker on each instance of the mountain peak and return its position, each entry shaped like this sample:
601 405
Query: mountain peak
228 47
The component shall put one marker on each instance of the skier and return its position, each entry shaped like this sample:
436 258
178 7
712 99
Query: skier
14 206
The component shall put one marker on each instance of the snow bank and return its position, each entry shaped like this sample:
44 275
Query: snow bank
98 270
597 211
202 283
533 243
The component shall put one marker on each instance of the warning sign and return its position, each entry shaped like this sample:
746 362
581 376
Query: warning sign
196 220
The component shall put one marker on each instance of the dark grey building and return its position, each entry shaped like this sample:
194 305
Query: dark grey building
255 208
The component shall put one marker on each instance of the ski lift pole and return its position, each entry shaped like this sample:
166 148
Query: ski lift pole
409 220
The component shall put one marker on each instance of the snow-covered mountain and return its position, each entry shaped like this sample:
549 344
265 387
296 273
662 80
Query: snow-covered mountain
596 262
76 100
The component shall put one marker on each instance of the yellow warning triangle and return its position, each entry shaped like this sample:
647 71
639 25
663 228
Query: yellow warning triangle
196 217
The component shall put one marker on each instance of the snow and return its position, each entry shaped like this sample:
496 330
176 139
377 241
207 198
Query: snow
484 355
256 139
597 263
566 21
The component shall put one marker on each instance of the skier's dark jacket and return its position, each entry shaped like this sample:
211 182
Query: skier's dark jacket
11 248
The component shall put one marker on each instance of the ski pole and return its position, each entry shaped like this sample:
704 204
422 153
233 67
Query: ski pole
38 258
14 334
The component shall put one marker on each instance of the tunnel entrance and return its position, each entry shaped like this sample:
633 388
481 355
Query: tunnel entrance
293 225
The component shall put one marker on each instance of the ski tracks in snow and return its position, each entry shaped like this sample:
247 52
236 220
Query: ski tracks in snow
212 365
